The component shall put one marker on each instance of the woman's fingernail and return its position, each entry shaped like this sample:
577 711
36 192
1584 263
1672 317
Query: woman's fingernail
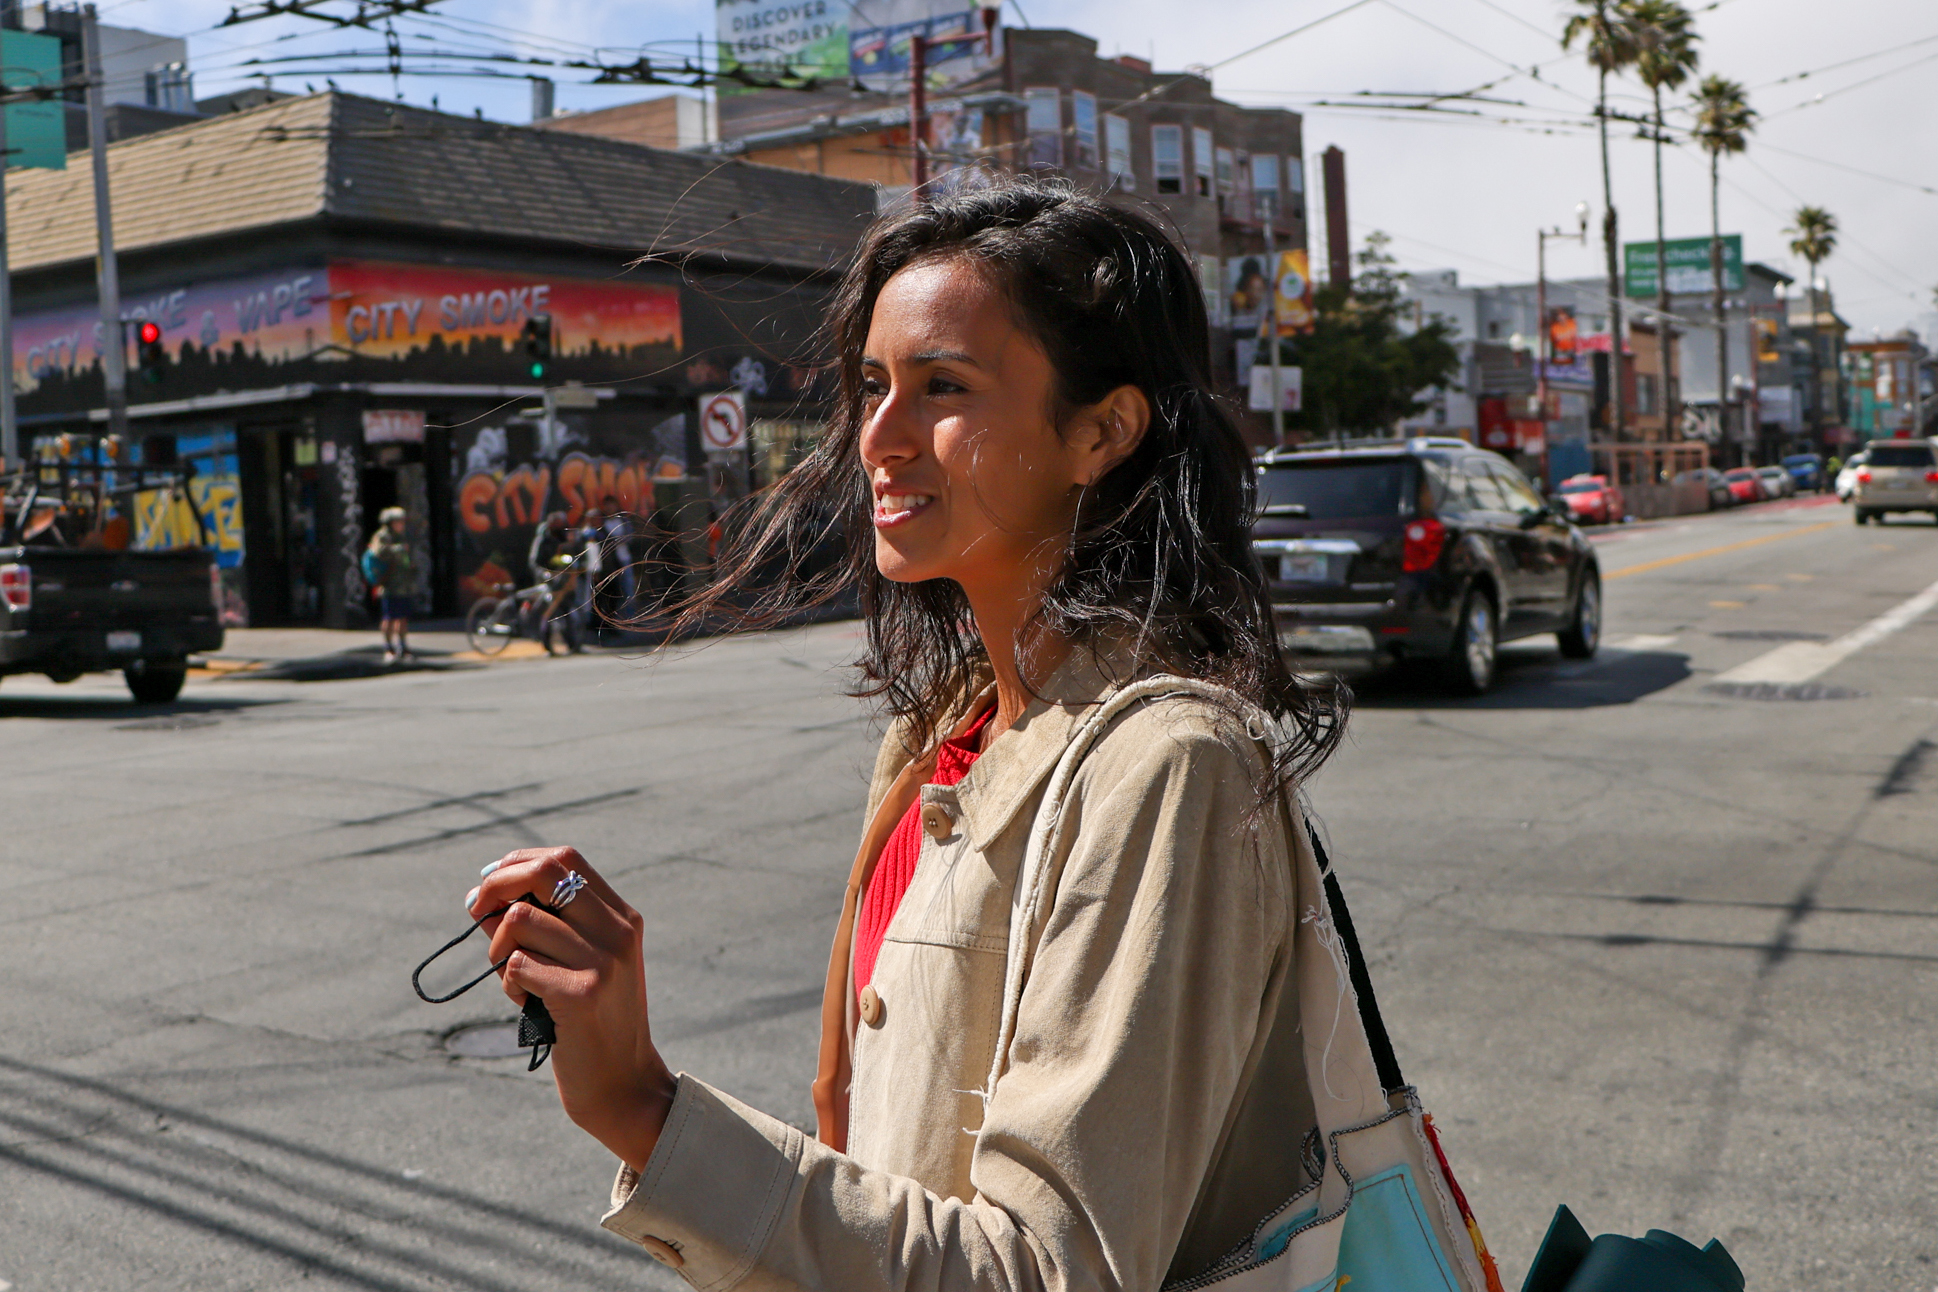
489 867
470 899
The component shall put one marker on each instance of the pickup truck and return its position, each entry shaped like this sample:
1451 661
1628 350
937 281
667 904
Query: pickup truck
75 599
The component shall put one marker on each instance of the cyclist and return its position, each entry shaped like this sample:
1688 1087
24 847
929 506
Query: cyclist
556 549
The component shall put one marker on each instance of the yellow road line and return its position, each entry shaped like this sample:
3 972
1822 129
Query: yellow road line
1667 561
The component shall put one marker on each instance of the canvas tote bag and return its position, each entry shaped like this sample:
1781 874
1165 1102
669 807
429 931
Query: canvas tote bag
1385 1214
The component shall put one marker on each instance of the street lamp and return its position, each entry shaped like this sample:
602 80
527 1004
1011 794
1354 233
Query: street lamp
1544 354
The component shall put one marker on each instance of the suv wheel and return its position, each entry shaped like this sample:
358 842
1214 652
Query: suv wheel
155 682
1584 631
1471 662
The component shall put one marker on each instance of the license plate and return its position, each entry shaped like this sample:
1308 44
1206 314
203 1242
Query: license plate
1303 567
124 642
1326 639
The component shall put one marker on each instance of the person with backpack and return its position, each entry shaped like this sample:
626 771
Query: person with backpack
1087 1022
390 568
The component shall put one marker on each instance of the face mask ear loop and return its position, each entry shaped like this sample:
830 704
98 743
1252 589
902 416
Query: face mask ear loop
536 1029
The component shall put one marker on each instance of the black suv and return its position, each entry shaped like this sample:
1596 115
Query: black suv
1425 549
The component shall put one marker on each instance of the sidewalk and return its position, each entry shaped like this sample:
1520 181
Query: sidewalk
329 654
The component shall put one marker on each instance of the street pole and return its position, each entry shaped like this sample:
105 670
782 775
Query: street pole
918 112
114 346
1716 286
9 423
1545 351
1272 335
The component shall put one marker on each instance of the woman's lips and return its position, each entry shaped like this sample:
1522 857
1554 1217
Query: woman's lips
892 509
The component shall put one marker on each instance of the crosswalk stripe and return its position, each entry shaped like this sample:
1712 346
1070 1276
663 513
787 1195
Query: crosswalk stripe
1802 661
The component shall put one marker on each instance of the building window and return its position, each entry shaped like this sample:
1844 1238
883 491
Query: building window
1167 158
1083 114
1295 183
1645 394
1265 185
1043 105
1240 205
1201 159
1117 148
1223 172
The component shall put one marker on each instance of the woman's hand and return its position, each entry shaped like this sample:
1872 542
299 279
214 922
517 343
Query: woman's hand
586 964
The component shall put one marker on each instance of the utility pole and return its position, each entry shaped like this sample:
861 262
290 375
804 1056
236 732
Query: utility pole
1272 333
9 422
114 346
918 114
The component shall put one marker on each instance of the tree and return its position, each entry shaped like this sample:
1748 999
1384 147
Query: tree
1724 120
1363 373
1813 236
1609 41
1665 39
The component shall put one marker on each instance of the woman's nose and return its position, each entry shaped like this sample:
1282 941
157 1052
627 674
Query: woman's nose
888 436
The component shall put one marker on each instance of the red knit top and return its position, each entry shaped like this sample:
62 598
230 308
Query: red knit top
896 867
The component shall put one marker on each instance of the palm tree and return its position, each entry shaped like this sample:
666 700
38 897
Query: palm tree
1724 120
1665 39
1610 44
1813 236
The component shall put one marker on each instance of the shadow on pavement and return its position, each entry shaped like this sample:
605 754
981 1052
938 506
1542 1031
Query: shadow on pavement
1535 678
194 711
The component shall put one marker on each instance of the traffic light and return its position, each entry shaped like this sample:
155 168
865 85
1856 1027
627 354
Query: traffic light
151 356
537 339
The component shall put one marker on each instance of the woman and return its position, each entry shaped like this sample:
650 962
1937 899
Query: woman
1048 504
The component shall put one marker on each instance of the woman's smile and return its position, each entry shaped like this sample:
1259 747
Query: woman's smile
895 507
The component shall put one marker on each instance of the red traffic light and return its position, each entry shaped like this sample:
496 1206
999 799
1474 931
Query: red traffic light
149 332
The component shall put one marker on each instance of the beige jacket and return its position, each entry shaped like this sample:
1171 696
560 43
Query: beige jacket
1154 1105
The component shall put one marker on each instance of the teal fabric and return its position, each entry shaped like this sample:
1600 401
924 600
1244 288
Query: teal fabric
1658 1261
1387 1244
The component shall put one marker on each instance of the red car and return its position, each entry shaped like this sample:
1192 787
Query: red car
1744 485
1591 500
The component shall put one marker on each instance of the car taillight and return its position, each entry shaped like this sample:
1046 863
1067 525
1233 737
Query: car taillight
1424 539
1931 477
17 587
1863 477
215 588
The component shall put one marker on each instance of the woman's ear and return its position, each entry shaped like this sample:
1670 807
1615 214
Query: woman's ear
1111 430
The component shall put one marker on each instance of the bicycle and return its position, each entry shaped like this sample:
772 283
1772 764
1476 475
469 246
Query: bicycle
524 612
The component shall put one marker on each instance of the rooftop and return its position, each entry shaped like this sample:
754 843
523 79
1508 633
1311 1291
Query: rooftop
344 158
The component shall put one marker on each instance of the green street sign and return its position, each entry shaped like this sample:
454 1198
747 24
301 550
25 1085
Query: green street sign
36 132
1688 266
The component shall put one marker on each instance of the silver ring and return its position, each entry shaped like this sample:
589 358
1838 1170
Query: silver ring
567 889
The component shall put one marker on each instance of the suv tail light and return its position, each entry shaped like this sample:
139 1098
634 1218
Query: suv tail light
17 586
1931 477
1424 539
1864 477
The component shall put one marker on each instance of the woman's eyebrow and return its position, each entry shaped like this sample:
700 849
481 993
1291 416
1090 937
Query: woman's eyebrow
938 356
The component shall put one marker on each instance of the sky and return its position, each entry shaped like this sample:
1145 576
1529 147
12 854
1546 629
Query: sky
1849 120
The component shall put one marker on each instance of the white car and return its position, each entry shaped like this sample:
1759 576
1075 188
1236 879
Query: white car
1899 475
1777 482
1847 476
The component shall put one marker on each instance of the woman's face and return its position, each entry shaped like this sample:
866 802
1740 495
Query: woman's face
969 477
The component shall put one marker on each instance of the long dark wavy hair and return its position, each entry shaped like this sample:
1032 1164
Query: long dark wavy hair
1160 555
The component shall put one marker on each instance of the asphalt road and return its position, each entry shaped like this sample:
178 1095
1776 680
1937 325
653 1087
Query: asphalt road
1656 949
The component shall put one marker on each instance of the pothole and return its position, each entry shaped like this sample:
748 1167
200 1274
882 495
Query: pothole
1770 635
1783 691
484 1041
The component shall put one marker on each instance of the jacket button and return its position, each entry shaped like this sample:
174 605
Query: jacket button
937 821
663 1252
871 1005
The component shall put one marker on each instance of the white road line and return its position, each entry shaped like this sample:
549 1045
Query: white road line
1802 661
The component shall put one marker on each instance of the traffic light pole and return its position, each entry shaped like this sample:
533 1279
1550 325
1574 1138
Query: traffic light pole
114 344
9 422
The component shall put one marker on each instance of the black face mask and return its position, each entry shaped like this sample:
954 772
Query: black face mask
536 1029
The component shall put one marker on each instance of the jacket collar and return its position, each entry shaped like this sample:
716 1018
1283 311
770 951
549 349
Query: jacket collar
1008 774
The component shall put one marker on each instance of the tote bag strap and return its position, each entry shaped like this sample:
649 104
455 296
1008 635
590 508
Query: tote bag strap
1385 1063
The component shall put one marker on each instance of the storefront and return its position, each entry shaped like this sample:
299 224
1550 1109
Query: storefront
317 375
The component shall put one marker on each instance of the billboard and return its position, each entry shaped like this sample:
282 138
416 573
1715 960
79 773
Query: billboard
842 41
1689 270
36 132
355 319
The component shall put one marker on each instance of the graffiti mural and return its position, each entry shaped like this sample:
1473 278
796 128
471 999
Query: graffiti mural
511 477
350 536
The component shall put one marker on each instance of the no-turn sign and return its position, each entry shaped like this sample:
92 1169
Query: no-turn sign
723 421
